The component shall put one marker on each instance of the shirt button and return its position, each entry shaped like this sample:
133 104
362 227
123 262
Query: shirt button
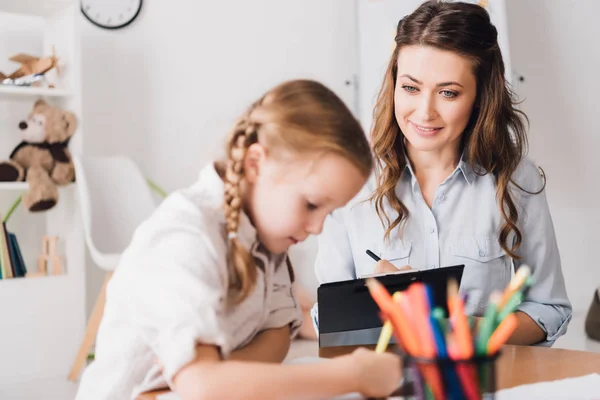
481 253
442 197
432 266
432 230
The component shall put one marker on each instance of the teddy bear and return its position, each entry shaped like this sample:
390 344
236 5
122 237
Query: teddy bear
42 158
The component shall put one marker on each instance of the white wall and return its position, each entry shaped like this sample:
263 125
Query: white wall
553 45
166 89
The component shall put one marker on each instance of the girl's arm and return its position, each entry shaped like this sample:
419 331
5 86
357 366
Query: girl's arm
271 345
364 371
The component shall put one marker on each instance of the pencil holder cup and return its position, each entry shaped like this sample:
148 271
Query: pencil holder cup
444 378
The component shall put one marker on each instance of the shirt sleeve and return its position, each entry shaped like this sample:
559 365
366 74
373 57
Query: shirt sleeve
176 277
284 308
547 302
334 261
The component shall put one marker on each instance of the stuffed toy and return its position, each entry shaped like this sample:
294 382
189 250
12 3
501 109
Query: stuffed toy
42 158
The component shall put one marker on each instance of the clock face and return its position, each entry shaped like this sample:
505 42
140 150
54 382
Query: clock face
111 14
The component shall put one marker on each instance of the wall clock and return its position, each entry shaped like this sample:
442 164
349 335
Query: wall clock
111 14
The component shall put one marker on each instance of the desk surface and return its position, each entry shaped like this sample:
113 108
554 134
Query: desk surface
518 365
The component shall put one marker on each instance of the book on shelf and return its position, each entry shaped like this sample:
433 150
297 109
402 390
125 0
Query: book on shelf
6 247
17 256
4 256
11 258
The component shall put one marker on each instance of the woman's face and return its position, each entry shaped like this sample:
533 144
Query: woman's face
434 97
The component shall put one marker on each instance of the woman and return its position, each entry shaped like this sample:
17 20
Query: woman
453 185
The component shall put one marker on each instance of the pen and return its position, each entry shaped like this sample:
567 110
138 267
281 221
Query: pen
373 255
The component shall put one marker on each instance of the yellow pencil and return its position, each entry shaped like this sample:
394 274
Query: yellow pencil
387 330
515 284
384 337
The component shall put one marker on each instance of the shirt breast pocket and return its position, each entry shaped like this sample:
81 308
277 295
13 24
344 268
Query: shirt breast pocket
487 268
397 253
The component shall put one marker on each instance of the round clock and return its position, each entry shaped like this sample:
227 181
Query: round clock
111 14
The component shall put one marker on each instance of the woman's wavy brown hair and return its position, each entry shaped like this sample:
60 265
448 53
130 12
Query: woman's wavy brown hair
301 117
494 140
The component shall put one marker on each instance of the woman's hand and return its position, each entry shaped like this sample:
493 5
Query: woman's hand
385 266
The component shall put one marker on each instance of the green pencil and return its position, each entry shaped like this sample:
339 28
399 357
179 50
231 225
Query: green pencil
487 326
510 306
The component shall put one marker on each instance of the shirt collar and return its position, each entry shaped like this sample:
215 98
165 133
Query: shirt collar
463 166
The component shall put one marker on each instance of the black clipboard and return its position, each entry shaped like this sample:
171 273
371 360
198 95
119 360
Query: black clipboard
347 305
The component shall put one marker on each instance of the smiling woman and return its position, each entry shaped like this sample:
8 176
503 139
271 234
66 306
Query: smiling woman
434 97
453 185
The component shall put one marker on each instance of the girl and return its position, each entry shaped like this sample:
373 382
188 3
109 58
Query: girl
452 184
202 298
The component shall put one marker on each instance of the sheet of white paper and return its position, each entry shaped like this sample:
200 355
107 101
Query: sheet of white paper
300 360
304 360
168 396
403 271
585 387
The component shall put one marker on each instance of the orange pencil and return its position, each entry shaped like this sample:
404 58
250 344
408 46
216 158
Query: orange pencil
418 298
462 341
417 294
460 321
394 312
452 295
388 329
502 333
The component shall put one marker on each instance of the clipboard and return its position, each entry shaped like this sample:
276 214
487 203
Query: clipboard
346 306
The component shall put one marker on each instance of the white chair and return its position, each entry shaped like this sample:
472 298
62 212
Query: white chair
115 199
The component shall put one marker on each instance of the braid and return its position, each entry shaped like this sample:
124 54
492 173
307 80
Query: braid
244 269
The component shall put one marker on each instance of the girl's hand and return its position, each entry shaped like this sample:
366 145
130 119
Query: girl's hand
385 266
376 375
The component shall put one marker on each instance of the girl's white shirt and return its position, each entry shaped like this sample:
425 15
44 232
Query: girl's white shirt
169 293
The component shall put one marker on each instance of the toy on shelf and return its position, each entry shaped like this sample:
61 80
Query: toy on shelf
32 70
49 262
42 158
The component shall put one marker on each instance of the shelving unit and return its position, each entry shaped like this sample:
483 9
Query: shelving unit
22 186
42 8
43 319
32 91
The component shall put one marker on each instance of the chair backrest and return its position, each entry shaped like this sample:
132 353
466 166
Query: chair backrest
114 199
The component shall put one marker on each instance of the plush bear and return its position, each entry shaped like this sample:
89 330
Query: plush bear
42 158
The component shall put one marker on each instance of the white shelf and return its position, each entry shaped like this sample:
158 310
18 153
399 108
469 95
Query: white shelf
34 284
22 186
13 185
32 91
44 317
34 7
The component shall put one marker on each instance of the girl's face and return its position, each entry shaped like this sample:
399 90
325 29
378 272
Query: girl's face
434 97
289 199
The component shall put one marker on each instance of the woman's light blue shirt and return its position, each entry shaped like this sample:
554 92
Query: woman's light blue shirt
461 227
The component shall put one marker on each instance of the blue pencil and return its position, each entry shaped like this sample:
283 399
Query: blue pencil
452 382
